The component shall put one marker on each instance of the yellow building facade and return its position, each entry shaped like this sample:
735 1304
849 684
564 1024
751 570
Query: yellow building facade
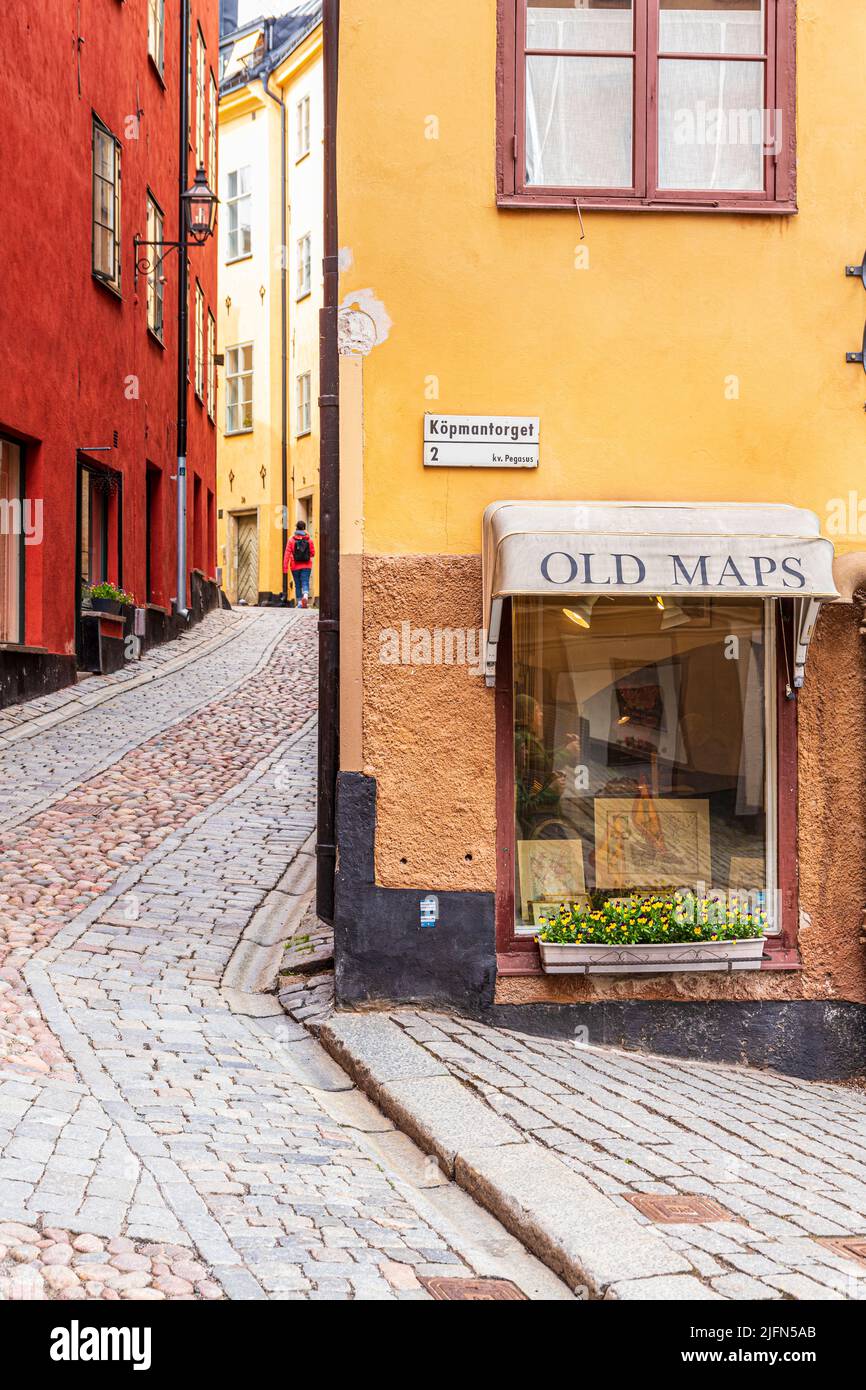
621 228
270 134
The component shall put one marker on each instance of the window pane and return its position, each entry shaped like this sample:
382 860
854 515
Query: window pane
103 155
597 26
103 252
711 125
639 751
579 122
716 26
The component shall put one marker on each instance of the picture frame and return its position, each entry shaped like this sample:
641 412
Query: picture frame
645 711
549 871
648 842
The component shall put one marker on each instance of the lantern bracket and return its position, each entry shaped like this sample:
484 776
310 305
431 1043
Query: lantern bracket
857 272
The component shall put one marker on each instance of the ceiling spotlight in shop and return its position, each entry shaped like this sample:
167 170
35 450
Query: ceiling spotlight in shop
581 613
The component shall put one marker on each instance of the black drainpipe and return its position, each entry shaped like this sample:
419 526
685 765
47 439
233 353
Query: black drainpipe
284 325
329 495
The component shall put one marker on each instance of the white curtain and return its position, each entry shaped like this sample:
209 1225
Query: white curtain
579 110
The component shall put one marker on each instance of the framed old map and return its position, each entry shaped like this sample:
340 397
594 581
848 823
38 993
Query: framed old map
550 871
648 842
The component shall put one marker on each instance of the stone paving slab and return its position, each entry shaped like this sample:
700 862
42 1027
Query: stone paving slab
785 1159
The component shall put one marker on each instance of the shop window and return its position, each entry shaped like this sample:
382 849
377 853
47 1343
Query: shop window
239 389
239 206
106 206
95 508
646 102
153 528
644 752
12 542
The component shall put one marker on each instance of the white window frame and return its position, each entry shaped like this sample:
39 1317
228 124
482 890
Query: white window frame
235 380
305 266
108 277
211 366
303 405
199 341
212 135
155 279
200 106
303 133
236 203
156 34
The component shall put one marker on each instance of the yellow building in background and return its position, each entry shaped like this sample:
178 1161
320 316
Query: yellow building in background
270 159
599 443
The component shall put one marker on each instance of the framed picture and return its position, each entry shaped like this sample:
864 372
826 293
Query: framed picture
646 711
550 871
543 911
645 842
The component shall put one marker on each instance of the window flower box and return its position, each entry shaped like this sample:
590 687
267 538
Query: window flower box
649 934
574 959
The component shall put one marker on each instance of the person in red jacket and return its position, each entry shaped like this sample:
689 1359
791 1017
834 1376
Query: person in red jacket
299 559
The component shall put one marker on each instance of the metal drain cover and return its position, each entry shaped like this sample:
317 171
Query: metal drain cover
475 1290
849 1247
677 1210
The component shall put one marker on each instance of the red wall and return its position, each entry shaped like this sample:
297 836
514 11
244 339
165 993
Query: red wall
68 346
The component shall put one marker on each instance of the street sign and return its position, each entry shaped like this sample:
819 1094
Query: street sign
481 441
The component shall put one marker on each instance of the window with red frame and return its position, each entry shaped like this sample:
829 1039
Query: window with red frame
647 103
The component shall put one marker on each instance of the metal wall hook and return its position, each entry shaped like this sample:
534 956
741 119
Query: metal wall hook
858 271
858 356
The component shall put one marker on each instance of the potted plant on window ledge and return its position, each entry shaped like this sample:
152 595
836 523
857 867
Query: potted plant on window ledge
650 934
107 598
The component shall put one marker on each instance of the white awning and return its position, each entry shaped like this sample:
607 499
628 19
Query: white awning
564 549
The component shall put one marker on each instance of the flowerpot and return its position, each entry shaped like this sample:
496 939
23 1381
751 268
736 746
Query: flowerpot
106 605
652 959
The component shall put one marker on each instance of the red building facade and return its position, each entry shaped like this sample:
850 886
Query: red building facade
90 112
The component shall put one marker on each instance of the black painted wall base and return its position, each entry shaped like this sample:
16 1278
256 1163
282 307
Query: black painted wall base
381 951
816 1039
383 955
27 673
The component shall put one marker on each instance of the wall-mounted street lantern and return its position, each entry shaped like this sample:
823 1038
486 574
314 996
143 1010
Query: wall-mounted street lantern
199 214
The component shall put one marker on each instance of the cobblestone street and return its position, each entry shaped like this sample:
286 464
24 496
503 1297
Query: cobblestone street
164 1134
